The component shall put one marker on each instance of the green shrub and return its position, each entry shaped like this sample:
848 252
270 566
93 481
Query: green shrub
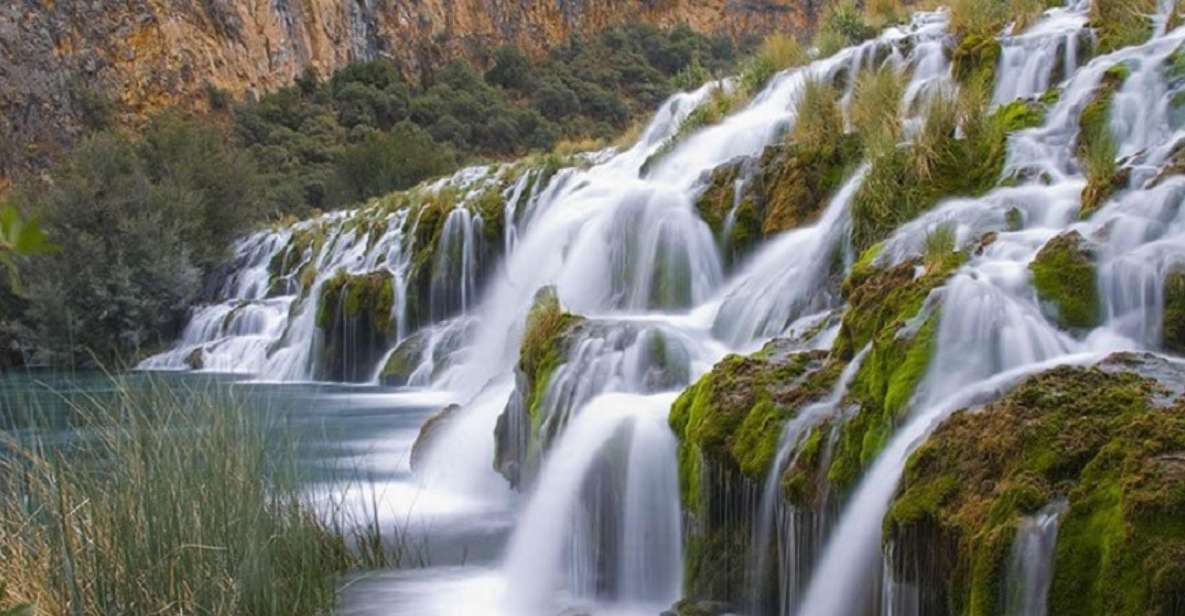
876 108
842 25
1120 23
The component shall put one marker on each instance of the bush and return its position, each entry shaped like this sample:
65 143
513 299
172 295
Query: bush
842 25
384 162
876 108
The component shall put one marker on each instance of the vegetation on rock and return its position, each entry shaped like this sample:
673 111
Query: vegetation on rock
1106 440
1173 319
1065 277
356 315
1096 149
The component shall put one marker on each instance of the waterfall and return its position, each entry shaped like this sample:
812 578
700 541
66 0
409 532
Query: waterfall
1030 566
618 235
560 544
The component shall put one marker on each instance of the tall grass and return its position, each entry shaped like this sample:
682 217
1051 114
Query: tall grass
876 108
988 17
776 53
819 115
167 499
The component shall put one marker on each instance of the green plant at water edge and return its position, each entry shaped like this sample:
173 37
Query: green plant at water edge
179 499
19 238
842 26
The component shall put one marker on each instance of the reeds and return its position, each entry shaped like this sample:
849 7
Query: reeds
169 499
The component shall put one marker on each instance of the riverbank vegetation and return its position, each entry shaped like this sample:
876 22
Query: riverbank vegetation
171 499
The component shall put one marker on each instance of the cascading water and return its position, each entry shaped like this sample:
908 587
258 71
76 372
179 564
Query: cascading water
618 236
1031 563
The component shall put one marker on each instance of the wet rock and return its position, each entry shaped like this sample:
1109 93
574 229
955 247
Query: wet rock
430 432
355 317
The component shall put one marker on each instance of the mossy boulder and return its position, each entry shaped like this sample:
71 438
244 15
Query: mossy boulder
729 424
888 313
404 360
1173 319
751 199
1109 440
355 317
1065 278
546 341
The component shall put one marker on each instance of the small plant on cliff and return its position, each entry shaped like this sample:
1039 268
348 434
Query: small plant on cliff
819 118
876 109
777 52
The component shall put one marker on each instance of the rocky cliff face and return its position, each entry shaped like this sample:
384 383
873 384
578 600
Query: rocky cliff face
59 59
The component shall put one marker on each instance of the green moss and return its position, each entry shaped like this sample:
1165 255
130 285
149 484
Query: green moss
544 348
1173 326
886 312
734 414
1094 437
789 188
351 296
975 59
1065 278
1096 148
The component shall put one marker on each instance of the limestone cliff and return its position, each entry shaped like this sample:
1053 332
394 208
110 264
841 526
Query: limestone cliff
56 56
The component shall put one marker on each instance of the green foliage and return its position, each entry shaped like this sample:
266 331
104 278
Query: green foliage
140 221
842 25
1065 277
904 181
1120 23
383 162
818 116
325 144
20 238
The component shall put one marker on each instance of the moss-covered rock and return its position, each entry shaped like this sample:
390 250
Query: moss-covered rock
729 424
734 414
355 315
1105 439
1065 278
1173 326
403 360
546 341
888 313
787 187
975 59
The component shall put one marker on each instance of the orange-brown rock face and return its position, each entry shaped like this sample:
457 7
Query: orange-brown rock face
147 54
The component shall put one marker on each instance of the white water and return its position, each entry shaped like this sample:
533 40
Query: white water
1030 566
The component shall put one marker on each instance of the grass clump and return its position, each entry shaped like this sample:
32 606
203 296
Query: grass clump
842 25
819 117
1121 23
776 53
169 500
876 109
906 180
1097 148
939 246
